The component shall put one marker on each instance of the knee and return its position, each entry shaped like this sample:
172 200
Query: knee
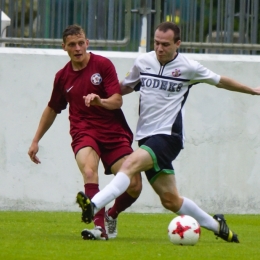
135 186
89 176
171 202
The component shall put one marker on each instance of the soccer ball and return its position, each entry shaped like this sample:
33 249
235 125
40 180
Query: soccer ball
184 230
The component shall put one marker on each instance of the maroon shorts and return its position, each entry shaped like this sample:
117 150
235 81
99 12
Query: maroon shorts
109 150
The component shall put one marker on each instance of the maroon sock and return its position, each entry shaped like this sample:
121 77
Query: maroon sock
121 203
91 189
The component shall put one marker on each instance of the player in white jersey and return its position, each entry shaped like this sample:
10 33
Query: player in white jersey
164 78
163 91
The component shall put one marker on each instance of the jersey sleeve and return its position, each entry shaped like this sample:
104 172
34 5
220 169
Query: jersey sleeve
132 78
57 101
110 79
204 75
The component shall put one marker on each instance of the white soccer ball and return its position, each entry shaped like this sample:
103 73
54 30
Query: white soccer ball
184 230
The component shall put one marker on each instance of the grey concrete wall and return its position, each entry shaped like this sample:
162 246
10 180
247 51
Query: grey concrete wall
219 167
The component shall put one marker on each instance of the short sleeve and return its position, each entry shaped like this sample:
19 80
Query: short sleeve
57 101
132 78
203 74
110 79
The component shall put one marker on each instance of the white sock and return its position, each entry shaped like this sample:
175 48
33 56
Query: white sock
205 220
114 189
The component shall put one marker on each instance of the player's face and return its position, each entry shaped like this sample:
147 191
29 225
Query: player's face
76 46
164 46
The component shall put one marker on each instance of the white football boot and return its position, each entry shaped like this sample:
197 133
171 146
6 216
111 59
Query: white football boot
97 233
111 226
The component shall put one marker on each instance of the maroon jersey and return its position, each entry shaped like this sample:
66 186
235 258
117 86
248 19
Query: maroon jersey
99 77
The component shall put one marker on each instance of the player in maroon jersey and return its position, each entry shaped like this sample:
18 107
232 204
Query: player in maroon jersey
89 84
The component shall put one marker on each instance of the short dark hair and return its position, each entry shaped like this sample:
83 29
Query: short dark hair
165 26
73 29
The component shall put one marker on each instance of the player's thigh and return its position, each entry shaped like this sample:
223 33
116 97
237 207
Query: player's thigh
117 165
138 161
113 153
165 186
87 160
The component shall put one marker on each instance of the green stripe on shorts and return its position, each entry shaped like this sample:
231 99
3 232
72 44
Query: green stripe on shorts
155 164
150 151
168 172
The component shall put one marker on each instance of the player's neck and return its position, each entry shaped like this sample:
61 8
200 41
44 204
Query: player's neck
81 65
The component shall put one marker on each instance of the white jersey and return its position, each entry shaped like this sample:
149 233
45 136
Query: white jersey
163 91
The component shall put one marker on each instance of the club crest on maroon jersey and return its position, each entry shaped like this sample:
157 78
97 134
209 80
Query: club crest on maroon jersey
96 79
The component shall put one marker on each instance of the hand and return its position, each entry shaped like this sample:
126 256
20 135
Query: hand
257 91
33 150
92 100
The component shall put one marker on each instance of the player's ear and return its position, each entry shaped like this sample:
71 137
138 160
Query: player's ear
63 46
178 43
87 42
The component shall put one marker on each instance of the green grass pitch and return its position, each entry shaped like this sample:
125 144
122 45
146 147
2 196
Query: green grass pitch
56 235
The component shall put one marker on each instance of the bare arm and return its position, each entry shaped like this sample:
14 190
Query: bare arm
232 85
113 102
125 89
47 118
